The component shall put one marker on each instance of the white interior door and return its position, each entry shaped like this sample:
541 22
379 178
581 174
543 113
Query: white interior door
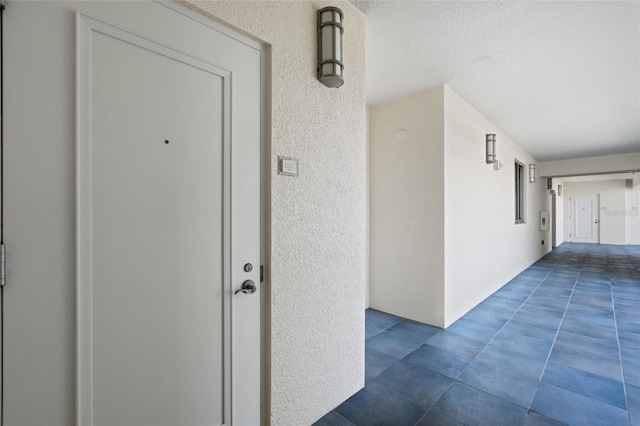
161 231
585 218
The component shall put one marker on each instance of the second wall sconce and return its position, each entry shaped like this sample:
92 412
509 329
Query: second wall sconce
491 148
491 158
532 173
330 66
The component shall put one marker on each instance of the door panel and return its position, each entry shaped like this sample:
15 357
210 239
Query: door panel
164 324
585 218
156 237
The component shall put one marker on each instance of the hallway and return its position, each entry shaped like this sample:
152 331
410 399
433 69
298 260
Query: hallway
558 344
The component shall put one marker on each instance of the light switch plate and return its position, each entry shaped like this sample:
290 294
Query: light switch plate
287 166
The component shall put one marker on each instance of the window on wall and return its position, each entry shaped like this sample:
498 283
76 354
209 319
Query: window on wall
519 185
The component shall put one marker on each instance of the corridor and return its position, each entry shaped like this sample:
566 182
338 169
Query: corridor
558 344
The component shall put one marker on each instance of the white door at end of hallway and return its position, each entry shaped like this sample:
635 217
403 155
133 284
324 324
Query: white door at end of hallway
585 219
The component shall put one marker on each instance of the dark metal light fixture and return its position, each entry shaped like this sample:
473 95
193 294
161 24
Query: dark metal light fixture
330 66
549 183
491 148
532 173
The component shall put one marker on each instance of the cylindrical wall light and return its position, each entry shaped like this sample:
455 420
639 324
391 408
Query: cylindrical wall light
330 66
532 173
549 183
491 148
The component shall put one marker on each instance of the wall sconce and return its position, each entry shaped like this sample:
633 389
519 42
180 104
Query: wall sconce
532 173
491 148
549 183
330 66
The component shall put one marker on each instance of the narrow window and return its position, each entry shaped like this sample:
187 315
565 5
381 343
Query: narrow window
519 184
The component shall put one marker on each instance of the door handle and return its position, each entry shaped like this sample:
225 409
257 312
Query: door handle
248 287
597 221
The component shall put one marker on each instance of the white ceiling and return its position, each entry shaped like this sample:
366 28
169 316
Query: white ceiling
562 78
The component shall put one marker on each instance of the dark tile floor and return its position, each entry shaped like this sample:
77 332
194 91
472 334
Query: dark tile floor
558 344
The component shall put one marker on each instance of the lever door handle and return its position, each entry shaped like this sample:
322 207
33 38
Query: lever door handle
248 287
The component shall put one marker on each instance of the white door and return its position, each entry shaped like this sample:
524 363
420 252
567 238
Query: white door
554 217
585 218
167 216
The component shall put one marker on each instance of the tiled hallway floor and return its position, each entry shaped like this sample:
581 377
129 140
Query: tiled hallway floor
560 343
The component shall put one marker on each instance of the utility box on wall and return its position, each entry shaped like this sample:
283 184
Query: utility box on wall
544 221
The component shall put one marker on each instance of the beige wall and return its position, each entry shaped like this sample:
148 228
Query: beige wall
443 232
407 215
317 219
484 248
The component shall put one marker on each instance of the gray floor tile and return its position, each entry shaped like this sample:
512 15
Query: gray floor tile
377 405
443 362
528 365
469 328
471 406
392 344
525 344
433 418
414 330
333 419
574 409
582 382
503 383
535 419
416 383
633 397
489 366
462 345
376 362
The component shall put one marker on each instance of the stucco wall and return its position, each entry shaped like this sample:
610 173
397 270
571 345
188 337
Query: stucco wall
407 215
484 248
317 249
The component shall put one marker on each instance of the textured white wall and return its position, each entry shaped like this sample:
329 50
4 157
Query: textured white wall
484 248
590 165
317 220
407 215
612 208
